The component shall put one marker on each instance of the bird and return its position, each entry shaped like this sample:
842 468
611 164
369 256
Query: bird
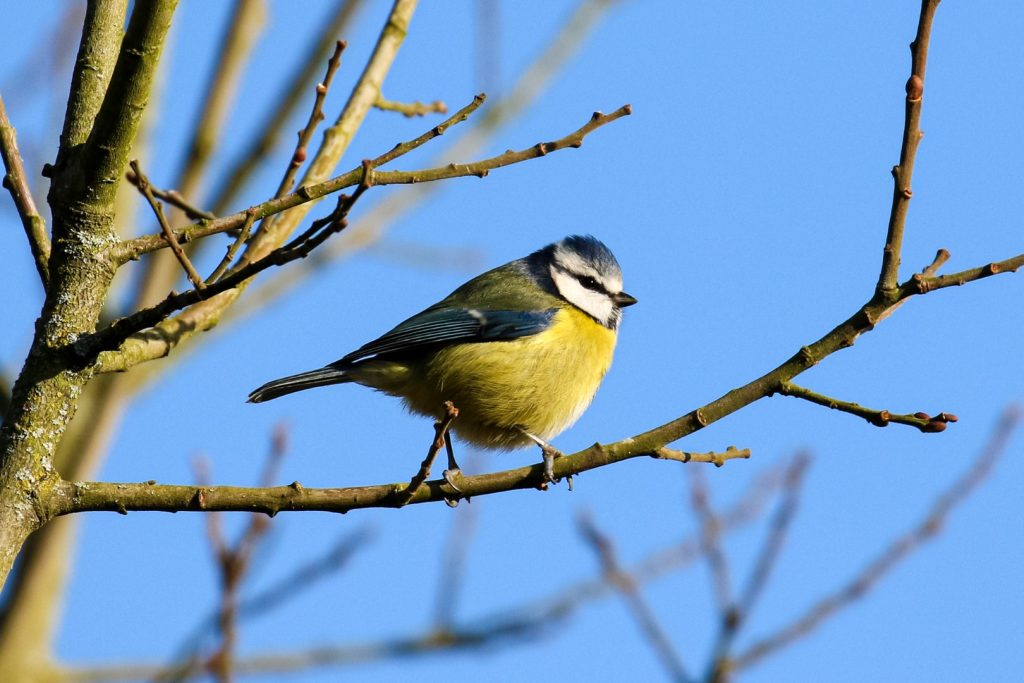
520 350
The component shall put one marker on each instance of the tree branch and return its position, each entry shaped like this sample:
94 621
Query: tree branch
638 607
532 82
503 624
897 551
880 418
739 612
132 249
16 182
104 155
142 182
315 117
235 178
912 135
175 199
411 109
716 459
87 347
920 284
97 56
243 27
337 138
149 346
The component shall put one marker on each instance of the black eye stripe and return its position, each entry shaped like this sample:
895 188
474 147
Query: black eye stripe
590 283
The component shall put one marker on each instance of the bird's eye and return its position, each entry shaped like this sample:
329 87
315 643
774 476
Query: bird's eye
590 283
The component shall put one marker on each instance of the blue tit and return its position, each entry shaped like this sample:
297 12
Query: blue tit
519 350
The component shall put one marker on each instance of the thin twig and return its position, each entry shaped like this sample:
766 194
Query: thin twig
711 544
411 109
941 256
532 82
146 347
285 104
880 418
336 138
16 182
142 182
403 496
920 284
318 232
240 239
315 117
902 173
897 551
132 249
240 33
716 459
233 562
174 198
739 613
638 607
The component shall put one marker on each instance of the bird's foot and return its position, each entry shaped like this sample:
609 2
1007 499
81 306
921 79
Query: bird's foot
451 476
549 454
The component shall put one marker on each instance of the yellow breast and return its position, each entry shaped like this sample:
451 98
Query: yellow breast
541 383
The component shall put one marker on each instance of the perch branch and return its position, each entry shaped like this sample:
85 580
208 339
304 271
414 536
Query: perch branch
82 496
502 625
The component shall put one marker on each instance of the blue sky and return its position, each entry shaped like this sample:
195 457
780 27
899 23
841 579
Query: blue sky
746 199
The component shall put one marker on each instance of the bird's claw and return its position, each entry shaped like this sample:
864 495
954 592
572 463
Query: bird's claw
450 476
550 453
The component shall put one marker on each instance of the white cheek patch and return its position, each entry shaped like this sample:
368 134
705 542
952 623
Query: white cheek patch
595 304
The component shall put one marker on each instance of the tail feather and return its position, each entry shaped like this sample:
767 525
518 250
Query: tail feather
299 382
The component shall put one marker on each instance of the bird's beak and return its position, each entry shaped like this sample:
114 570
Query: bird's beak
622 300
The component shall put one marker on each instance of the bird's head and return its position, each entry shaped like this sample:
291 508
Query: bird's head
584 272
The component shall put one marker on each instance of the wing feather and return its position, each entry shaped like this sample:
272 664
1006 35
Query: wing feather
449 325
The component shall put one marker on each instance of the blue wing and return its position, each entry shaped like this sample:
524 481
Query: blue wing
440 326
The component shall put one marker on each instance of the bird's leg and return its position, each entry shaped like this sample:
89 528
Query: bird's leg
549 454
453 470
